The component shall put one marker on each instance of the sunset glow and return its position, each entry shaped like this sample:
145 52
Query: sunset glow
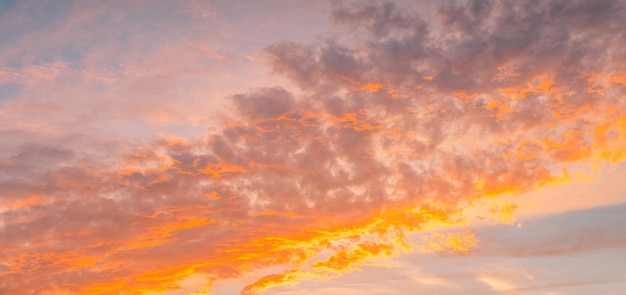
312 147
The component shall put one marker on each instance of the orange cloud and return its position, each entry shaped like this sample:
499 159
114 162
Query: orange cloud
216 170
454 242
270 281
618 79
371 87
342 261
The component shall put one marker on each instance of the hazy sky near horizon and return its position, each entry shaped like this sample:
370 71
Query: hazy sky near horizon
312 147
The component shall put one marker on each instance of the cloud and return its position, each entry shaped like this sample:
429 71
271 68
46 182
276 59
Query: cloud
366 153
564 234
497 284
264 103
275 280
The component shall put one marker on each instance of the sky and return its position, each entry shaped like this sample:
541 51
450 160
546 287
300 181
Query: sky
302 147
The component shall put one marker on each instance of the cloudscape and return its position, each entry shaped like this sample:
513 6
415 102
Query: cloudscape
312 147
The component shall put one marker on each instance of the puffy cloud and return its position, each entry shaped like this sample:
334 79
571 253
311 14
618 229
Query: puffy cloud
264 103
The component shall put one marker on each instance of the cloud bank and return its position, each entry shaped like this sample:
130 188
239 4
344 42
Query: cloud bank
404 115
